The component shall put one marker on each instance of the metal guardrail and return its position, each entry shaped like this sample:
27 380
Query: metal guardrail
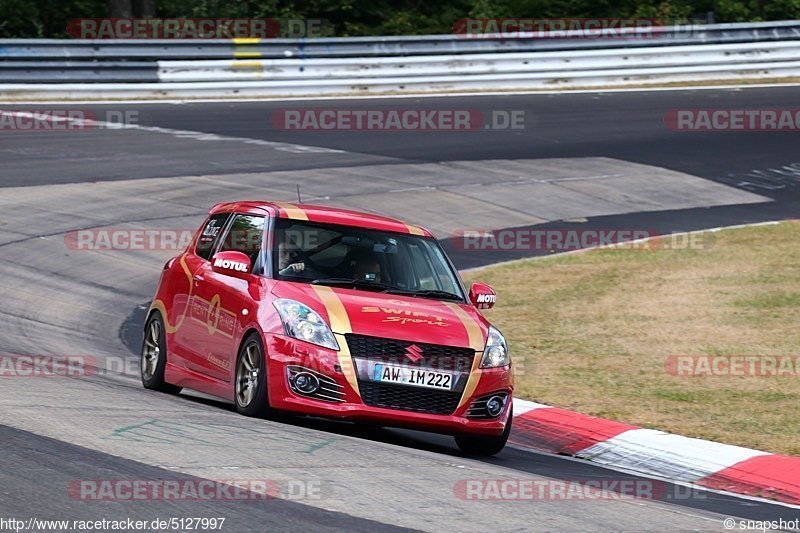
71 72
359 64
568 63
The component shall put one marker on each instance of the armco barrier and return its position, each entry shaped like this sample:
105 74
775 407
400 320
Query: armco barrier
250 67
558 63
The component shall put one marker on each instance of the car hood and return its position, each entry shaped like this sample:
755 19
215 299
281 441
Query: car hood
414 319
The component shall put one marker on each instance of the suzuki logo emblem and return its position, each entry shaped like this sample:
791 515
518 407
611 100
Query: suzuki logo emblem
414 353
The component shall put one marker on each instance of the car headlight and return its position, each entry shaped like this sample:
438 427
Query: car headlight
304 324
496 352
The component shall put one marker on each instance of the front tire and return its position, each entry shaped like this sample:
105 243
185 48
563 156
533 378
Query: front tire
250 385
154 356
483 445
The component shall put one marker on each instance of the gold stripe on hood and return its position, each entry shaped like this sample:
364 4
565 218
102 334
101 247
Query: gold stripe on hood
340 325
476 342
474 333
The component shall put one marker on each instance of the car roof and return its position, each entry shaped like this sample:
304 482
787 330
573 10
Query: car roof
322 214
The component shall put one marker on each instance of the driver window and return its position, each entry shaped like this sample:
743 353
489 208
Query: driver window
308 251
245 235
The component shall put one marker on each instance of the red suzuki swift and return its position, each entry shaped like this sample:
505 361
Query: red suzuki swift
334 313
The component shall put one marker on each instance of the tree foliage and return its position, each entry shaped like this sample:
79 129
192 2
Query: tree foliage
48 18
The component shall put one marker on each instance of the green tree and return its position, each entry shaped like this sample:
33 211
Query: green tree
44 18
48 18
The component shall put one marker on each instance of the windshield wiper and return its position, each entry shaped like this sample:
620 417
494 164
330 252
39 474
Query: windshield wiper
436 294
382 287
360 283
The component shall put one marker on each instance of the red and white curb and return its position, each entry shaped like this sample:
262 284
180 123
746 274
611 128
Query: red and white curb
656 453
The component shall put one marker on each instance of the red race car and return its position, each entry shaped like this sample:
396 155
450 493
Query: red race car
333 313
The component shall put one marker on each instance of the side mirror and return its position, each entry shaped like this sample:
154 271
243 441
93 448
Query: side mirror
231 263
482 296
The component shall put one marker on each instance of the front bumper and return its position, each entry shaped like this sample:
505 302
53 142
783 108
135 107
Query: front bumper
284 352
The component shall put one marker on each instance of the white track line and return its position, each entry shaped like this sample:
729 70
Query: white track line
181 134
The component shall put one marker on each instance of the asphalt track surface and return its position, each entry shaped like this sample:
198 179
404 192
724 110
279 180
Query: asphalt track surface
594 160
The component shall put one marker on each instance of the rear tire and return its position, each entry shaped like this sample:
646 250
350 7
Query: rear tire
483 445
250 384
154 356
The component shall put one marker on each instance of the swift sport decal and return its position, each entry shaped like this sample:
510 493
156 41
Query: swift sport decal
405 316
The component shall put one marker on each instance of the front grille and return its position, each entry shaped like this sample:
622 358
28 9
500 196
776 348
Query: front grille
393 351
408 398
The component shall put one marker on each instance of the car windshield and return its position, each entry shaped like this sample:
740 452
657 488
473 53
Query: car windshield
363 259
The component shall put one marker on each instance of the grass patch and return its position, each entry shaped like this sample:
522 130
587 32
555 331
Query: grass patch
770 301
592 332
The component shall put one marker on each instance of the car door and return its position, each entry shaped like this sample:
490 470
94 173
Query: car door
185 305
220 299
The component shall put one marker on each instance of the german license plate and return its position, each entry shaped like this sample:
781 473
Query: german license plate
412 376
